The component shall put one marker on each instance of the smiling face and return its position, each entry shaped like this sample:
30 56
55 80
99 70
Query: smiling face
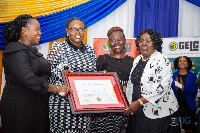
146 46
32 32
117 42
182 63
76 36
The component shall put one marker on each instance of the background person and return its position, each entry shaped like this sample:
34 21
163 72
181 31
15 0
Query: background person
24 103
115 62
197 115
152 101
69 56
187 95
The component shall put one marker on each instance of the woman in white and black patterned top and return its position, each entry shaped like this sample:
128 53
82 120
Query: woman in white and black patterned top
152 103
72 55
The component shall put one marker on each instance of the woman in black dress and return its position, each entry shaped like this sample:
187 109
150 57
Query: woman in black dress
24 102
115 62
187 94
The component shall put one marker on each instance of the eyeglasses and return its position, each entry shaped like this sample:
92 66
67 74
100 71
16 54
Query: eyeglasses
116 40
147 42
74 30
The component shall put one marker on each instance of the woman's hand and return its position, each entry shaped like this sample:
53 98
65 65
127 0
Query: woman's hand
63 89
104 71
181 82
124 89
132 108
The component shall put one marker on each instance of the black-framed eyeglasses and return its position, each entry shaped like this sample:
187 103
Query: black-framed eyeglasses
147 42
74 30
116 40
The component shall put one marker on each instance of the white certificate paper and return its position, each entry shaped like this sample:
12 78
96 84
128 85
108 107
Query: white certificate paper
95 92
178 84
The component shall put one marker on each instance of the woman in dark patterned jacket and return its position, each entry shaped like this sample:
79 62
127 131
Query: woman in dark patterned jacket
70 55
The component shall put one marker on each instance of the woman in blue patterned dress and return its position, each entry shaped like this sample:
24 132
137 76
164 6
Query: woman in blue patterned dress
70 55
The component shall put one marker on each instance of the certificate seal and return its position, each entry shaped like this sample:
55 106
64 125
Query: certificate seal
98 99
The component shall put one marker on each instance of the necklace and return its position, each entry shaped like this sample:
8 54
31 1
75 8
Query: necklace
20 41
144 59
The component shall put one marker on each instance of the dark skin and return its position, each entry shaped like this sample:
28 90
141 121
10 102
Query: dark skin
117 43
30 36
76 37
182 64
146 48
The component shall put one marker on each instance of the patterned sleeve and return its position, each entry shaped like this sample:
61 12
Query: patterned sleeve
162 81
56 58
95 57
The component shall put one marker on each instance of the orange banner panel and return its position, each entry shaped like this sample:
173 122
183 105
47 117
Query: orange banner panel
102 46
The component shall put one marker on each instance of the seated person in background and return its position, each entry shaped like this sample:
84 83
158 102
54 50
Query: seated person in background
186 95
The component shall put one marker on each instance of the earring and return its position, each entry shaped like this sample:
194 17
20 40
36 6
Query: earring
124 51
110 52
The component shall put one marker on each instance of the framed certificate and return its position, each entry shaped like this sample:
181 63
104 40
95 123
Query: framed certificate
95 93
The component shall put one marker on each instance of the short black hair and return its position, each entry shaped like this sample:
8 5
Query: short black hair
155 37
114 29
72 19
11 32
177 60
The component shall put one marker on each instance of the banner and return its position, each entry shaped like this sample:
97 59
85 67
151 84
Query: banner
102 46
172 48
185 46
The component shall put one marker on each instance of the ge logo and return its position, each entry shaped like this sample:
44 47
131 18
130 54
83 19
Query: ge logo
106 46
173 46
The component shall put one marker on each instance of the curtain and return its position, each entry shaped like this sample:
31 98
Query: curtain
123 17
53 25
189 18
161 15
195 2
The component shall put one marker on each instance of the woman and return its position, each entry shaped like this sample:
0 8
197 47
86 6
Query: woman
24 102
152 102
187 94
70 55
115 62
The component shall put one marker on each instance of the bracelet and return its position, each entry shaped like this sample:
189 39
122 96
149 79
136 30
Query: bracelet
55 89
141 103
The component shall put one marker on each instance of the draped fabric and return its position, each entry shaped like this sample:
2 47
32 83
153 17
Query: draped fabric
189 19
11 9
161 15
195 2
53 25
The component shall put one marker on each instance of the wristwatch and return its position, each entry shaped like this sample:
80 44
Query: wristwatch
141 103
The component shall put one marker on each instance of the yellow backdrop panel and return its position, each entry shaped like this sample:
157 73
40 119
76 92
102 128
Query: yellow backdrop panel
10 9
